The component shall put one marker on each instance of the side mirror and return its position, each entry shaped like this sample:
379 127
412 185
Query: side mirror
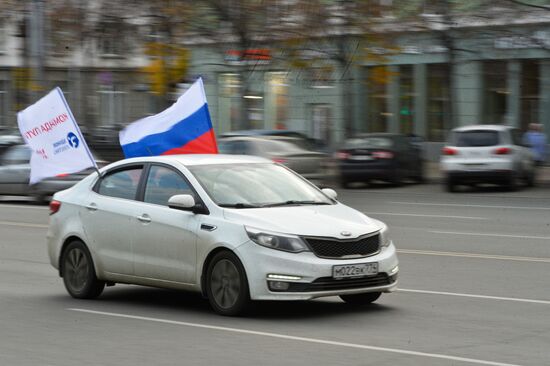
186 202
181 202
331 193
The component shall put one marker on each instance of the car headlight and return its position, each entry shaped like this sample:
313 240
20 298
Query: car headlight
284 242
385 239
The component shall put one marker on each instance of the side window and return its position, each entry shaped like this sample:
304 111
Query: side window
241 148
20 154
517 137
121 183
226 147
163 183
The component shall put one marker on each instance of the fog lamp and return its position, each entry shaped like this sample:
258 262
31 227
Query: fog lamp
394 273
278 285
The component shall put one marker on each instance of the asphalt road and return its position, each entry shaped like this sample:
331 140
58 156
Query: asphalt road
473 291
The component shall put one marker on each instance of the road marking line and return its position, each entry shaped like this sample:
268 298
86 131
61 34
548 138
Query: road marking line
24 207
515 299
421 215
462 205
294 338
490 234
473 255
23 224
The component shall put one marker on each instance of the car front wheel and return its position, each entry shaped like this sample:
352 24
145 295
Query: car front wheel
227 285
78 272
361 299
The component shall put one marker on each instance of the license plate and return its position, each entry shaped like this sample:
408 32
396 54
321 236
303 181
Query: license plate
355 270
361 157
474 167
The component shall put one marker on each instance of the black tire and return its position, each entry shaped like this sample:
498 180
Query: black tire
344 182
361 299
419 177
42 199
450 185
227 285
530 178
512 185
77 270
397 179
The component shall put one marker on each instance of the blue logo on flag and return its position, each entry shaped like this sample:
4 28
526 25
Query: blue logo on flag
73 140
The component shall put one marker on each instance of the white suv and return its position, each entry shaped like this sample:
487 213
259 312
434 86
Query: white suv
487 154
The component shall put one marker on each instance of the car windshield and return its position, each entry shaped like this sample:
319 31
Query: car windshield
278 146
475 138
256 185
368 142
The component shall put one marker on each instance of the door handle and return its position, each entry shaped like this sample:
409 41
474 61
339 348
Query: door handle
144 218
92 207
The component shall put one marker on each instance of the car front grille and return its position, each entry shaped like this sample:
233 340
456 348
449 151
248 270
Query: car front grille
332 284
345 248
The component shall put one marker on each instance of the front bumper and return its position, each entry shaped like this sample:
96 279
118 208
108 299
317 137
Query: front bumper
312 276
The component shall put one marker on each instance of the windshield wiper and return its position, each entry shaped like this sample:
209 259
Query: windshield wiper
238 205
295 202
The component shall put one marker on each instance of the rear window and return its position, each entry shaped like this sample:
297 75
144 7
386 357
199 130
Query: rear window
475 138
369 142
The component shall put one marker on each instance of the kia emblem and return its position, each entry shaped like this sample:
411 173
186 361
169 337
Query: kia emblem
345 233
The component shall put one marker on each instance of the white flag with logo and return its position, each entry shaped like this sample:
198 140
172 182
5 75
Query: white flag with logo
50 130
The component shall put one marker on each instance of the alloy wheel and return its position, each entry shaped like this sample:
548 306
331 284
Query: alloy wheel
77 269
225 284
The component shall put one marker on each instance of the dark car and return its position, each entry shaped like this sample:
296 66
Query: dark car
9 137
15 172
283 150
379 156
301 139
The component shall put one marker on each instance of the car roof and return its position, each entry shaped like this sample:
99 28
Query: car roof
483 127
196 159
377 134
261 138
260 132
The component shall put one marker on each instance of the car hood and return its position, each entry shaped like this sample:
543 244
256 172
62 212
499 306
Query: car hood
311 220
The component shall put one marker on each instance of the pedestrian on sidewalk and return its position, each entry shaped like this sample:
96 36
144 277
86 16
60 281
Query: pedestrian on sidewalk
536 139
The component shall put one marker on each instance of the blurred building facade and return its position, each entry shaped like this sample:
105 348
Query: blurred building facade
499 73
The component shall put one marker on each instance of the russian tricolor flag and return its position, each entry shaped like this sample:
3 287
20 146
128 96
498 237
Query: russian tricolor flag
184 128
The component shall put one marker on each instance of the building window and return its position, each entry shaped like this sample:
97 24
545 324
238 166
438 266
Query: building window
406 99
321 77
111 40
321 123
438 108
4 110
377 99
278 99
229 103
529 93
3 35
112 109
495 92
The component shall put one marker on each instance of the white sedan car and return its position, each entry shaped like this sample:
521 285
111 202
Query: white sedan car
234 228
